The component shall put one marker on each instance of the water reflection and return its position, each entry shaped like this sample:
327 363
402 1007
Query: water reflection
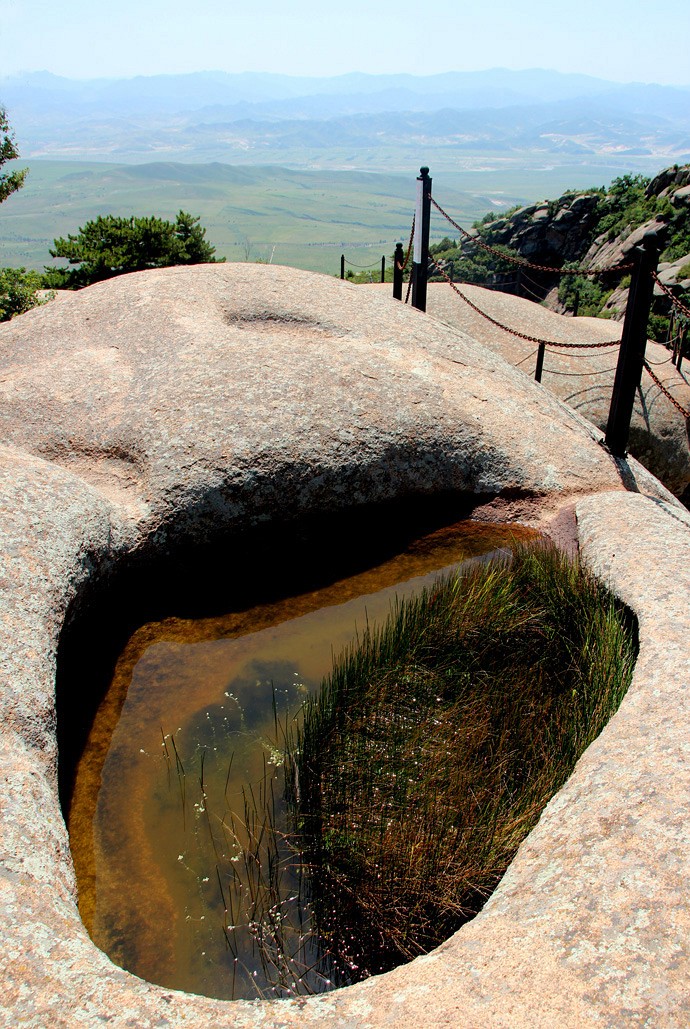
168 862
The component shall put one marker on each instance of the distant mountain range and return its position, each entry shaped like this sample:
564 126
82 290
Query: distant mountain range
347 120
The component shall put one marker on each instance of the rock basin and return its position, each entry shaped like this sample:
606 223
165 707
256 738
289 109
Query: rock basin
172 408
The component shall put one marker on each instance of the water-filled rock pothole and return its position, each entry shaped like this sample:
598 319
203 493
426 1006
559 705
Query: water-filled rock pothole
174 859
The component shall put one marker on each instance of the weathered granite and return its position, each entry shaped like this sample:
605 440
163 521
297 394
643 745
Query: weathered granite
177 404
206 381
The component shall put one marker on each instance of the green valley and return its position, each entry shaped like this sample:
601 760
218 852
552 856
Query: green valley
305 218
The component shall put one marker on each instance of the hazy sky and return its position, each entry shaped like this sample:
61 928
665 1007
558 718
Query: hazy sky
624 40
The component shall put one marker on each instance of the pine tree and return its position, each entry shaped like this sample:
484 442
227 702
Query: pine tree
112 246
10 182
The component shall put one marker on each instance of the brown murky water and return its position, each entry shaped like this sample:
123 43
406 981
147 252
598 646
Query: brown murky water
184 736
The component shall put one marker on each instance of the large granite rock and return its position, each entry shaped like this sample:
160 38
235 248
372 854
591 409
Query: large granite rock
176 405
197 389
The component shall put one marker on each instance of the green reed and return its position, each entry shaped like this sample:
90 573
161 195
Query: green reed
436 742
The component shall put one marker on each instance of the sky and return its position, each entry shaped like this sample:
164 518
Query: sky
621 40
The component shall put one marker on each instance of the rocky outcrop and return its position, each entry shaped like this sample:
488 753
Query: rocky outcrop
572 230
181 405
548 233
669 181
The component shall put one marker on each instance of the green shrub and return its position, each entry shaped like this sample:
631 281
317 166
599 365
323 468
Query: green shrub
588 294
18 291
657 327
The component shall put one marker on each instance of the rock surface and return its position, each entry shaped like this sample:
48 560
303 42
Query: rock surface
549 233
177 404
208 382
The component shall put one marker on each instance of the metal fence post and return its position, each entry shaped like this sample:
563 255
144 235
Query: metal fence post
633 344
383 268
420 267
398 262
342 266
681 345
540 362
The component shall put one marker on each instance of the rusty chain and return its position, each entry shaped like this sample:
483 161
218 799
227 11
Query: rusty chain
515 332
669 293
519 261
678 407
409 289
402 267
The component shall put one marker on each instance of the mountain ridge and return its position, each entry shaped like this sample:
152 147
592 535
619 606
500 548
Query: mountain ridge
186 115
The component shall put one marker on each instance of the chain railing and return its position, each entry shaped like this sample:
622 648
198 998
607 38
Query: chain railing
403 266
675 301
677 334
400 263
516 332
362 267
632 344
667 394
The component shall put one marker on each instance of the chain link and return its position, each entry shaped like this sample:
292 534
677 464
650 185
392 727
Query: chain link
669 293
678 407
515 332
402 267
520 262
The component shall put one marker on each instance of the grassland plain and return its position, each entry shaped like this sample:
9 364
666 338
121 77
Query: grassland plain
304 218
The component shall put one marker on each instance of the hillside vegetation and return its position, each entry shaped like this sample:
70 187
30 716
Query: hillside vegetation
589 228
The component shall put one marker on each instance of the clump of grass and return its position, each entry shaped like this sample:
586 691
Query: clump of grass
438 739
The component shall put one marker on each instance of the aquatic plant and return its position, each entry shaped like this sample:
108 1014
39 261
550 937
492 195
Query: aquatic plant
437 740
244 862
328 841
